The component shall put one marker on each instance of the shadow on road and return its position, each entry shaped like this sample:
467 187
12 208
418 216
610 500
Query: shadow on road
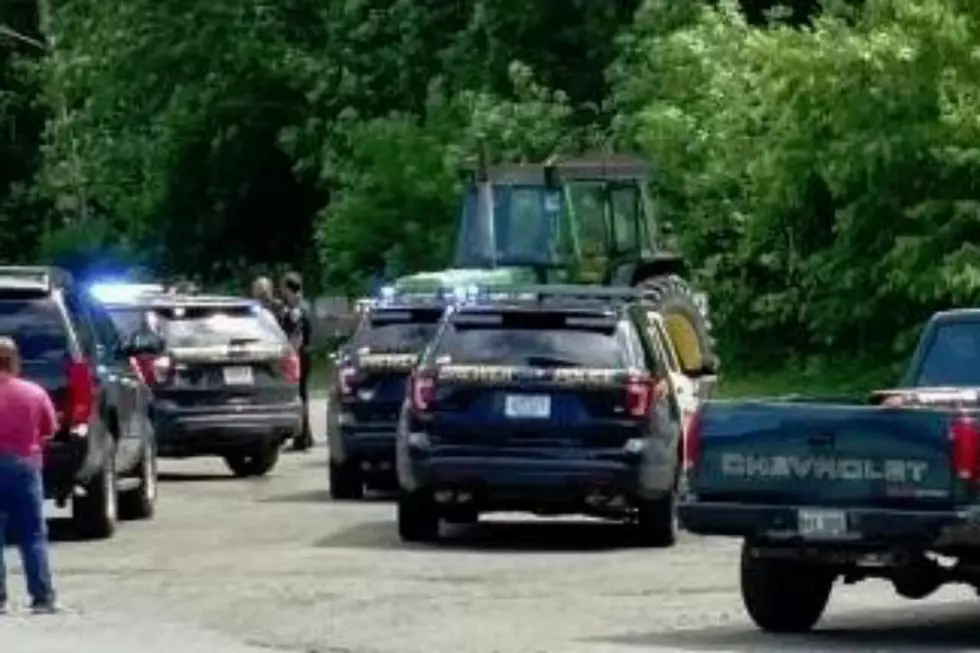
323 496
516 537
195 477
61 529
919 628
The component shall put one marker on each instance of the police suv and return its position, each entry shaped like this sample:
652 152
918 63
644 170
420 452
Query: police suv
372 371
550 400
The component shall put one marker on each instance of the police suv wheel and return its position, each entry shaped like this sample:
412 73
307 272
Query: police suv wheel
656 521
418 517
258 461
95 513
784 596
345 481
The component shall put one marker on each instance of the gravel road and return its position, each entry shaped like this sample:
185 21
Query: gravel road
253 566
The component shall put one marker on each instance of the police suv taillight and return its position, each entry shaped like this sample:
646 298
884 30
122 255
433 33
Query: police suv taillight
639 395
423 389
964 433
346 380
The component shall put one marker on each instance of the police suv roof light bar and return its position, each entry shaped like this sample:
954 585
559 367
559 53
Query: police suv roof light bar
543 293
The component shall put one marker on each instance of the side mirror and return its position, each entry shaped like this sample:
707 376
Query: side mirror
142 343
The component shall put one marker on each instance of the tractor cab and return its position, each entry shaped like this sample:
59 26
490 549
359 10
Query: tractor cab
573 221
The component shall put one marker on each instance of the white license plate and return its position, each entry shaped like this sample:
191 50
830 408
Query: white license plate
826 524
527 406
239 376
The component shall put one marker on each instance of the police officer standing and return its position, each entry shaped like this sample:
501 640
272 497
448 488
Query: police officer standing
299 328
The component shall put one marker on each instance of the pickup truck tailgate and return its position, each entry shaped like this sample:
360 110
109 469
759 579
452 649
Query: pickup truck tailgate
770 452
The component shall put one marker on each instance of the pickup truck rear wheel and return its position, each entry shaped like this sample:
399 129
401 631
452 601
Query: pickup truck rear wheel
656 521
140 503
784 596
418 517
96 512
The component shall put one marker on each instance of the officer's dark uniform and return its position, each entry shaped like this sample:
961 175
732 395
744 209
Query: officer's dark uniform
295 321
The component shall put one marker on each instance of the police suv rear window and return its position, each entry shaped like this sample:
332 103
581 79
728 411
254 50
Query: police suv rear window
533 338
398 331
38 328
127 320
208 326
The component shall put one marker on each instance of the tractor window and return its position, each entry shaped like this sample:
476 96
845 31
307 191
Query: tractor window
626 217
590 225
523 229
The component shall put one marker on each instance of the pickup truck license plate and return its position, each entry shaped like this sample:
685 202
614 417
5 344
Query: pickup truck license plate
829 524
238 376
527 406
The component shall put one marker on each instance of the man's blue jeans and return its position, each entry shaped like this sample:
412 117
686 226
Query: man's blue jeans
22 515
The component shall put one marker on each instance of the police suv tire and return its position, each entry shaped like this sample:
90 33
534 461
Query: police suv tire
672 295
656 521
140 503
96 513
418 517
346 483
257 461
784 596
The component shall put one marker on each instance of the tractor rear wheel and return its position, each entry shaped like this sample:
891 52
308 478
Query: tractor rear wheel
687 322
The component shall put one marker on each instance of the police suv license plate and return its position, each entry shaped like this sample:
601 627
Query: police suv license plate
822 524
239 376
527 406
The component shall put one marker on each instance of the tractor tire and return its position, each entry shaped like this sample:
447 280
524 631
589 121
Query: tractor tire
688 324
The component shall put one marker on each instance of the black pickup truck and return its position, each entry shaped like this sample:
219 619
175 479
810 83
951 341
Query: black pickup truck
103 457
825 491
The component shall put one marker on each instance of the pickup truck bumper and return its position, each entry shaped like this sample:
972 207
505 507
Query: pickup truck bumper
866 526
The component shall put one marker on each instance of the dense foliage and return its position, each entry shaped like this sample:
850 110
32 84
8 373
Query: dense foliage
817 163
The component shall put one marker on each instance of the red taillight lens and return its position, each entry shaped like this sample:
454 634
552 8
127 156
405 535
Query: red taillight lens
153 369
965 435
291 367
423 392
692 441
346 379
640 394
81 394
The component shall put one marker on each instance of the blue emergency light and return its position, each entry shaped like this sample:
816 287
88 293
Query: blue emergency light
110 292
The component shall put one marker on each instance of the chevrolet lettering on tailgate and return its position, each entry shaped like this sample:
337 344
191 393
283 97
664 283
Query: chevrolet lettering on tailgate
824 468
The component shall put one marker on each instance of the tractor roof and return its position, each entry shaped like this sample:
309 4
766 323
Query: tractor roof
555 171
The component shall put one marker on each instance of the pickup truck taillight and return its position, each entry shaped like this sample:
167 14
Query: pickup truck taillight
80 396
692 441
965 435
423 390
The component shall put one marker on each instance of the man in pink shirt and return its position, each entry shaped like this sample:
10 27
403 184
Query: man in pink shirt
27 419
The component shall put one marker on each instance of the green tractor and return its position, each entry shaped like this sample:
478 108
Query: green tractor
576 221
